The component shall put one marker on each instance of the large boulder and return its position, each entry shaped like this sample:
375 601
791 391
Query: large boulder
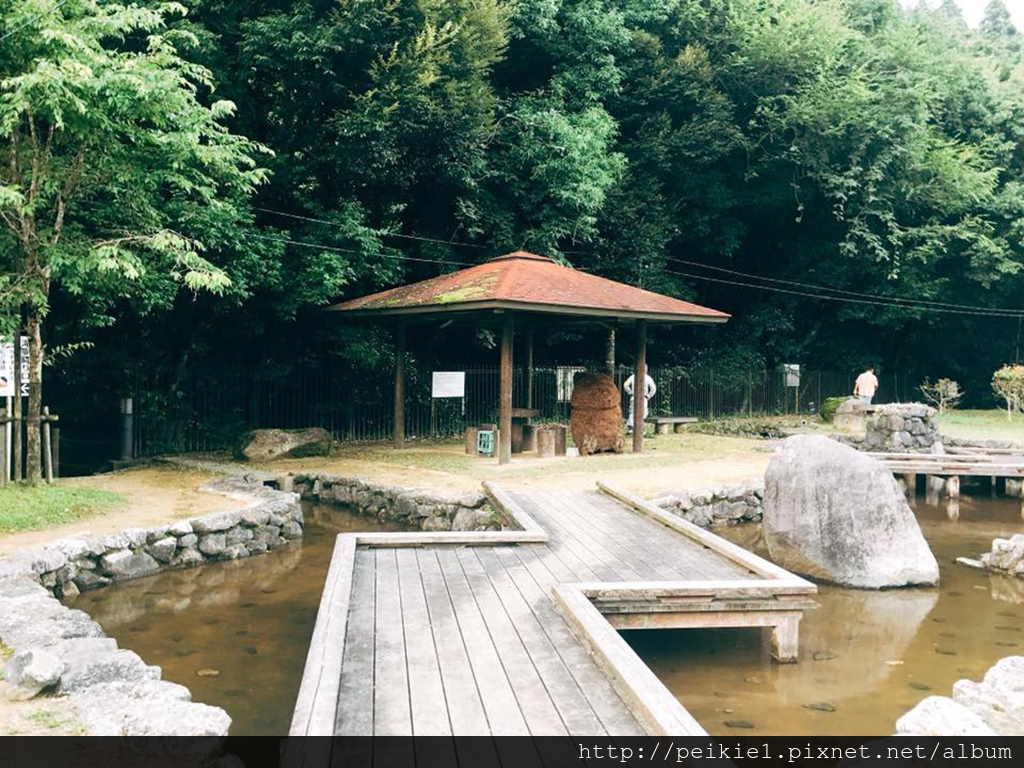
836 514
596 420
270 444
999 698
939 716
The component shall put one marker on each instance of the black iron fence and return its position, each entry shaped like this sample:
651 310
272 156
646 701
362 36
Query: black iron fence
210 412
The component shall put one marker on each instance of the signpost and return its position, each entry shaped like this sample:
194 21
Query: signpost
448 384
7 392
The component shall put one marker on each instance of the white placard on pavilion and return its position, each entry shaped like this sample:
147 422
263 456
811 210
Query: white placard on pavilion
448 384
7 367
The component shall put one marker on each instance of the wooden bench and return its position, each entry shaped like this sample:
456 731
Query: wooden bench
662 423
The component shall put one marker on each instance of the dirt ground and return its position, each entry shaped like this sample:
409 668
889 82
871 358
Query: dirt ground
671 462
153 496
43 716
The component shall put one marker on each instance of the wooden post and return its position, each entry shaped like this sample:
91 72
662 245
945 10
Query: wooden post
609 353
953 486
55 449
529 367
505 391
47 445
4 466
399 426
785 639
639 386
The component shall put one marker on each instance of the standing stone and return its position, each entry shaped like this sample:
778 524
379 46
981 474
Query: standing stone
270 444
833 513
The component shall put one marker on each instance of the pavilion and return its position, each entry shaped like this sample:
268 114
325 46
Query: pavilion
527 289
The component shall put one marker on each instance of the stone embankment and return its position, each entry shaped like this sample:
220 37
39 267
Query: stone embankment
993 707
56 648
718 505
426 510
902 428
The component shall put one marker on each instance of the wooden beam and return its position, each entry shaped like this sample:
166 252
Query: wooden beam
609 353
399 428
505 391
639 386
529 367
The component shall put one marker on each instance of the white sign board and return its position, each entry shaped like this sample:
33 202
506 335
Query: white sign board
792 373
7 367
448 384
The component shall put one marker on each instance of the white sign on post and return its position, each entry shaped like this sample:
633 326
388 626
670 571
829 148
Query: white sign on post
448 384
7 367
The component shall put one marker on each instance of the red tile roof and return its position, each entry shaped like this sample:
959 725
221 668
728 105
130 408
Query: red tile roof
531 282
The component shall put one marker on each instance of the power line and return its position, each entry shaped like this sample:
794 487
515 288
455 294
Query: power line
322 247
379 232
34 19
979 312
901 301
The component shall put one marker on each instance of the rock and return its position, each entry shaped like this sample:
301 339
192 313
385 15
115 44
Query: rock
291 530
271 444
999 698
213 544
234 551
187 557
125 564
436 523
255 516
46 560
188 540
472 520
152 708
69 591
136 536
939 716
89 580
836 514
216 521
237 535
33 671
164 549
180 528
105 667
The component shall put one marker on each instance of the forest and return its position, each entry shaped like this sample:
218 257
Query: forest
184 186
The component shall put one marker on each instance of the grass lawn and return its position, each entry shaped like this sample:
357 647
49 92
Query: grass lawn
25 508
991 424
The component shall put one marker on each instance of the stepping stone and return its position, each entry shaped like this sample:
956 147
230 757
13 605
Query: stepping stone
739 724
919 686
823 656
820 706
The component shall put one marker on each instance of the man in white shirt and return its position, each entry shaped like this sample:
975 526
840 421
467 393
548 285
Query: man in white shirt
649 390
866 385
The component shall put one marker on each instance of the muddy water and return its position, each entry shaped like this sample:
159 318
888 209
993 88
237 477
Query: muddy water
865 657
236 633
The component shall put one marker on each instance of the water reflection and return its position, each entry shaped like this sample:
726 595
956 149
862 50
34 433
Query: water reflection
236 633
865 657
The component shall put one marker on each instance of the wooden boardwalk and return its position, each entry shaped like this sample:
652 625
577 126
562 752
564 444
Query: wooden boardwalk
492 637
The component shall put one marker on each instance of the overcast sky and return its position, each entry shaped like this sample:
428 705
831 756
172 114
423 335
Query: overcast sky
973 10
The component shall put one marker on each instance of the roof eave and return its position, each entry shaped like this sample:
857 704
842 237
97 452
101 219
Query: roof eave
551 309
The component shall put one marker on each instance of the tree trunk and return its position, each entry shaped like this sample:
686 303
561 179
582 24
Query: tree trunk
33 442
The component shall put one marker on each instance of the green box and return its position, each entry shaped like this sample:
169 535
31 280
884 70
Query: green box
485 442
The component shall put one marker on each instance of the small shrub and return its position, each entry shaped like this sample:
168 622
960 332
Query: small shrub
1008 384
944 394
829 406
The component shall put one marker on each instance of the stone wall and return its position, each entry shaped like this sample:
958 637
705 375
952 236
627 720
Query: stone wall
902 428
719 505
425 510
68 566
56 648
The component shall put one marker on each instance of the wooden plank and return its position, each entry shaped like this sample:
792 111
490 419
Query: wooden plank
541 715
721 589
727 549
315 707
503 712
465 708
392 715
355 695
459 538
508 506
575 712
650 701
534 583
426 691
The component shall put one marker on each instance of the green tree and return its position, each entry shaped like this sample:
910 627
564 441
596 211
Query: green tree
116 168
997 22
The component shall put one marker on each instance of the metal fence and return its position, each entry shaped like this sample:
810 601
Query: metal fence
211 412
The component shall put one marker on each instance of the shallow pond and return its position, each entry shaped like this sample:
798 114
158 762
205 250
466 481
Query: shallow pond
236 633
865 657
